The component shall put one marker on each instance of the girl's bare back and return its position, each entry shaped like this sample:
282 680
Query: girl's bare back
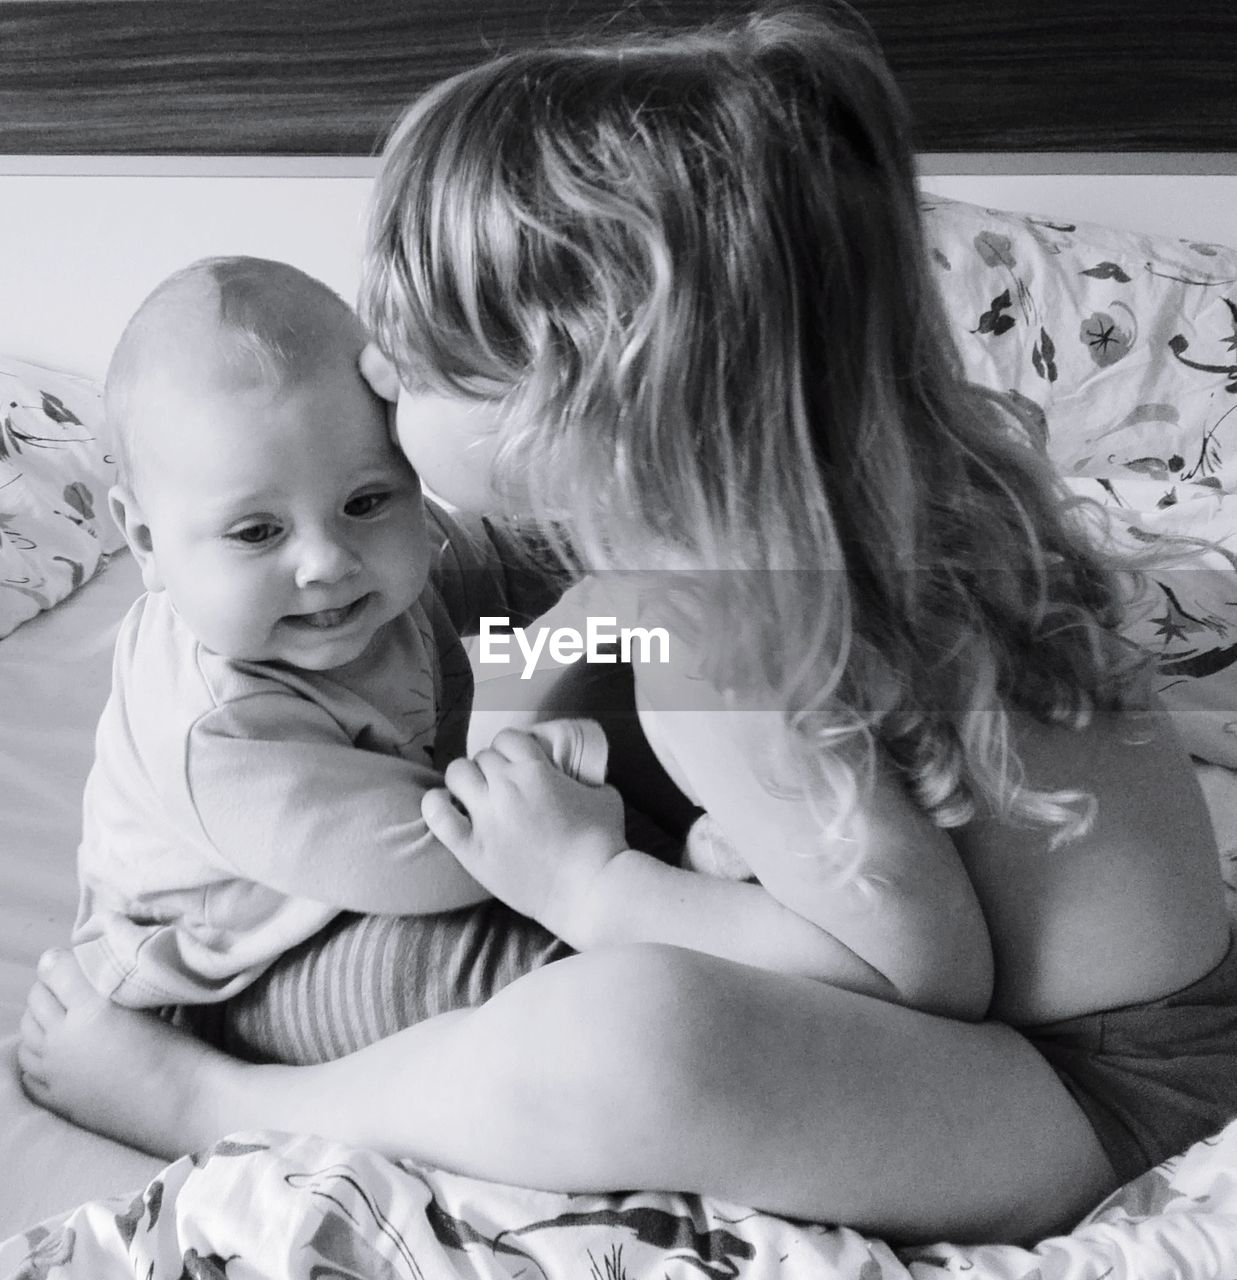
1130 911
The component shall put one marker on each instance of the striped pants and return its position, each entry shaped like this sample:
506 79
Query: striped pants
365 977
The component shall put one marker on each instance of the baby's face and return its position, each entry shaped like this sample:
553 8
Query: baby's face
284 523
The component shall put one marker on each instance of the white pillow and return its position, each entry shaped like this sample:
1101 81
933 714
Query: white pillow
1123 347
55 471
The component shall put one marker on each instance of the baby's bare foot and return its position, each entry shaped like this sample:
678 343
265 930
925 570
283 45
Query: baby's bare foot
114 1070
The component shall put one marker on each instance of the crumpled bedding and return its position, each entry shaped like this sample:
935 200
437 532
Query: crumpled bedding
302 1208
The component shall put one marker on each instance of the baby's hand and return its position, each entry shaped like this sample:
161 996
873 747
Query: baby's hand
532 835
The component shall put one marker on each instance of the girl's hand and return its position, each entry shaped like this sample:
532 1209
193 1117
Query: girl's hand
532 835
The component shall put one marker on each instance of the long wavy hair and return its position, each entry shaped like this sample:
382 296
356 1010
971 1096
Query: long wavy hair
689 271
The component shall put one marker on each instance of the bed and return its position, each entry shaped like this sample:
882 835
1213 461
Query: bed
1111 321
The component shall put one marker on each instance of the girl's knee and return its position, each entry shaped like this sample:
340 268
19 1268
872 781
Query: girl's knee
636 1060
647 983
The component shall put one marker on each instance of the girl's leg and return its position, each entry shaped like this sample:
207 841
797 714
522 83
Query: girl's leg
634 1067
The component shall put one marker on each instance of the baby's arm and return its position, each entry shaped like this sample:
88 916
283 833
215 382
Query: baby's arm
285 799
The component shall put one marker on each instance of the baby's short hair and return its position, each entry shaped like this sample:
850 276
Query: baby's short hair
232 321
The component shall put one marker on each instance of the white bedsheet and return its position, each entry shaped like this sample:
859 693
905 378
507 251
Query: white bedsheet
54 674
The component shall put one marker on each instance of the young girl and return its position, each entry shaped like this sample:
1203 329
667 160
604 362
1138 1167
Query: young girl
670 296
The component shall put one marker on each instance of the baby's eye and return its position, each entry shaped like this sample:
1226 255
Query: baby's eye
366 504
254 535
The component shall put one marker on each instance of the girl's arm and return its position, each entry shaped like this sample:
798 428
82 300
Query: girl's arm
637 898
554 850
893 890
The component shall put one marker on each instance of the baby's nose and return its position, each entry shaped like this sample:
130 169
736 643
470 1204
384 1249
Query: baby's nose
324 560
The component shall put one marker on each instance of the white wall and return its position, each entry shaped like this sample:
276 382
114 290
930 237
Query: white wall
79 253
81 249
1190 206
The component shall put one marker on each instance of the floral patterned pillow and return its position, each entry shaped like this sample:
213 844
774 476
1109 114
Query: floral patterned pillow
55 471
1122 349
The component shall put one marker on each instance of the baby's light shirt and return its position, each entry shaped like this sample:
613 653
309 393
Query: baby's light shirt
234 808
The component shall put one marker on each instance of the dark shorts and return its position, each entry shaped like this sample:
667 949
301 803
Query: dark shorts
1152 1078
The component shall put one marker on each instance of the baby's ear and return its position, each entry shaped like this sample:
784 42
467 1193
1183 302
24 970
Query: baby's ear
127 513
379 373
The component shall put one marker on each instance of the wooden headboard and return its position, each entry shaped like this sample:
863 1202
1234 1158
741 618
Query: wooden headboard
327 77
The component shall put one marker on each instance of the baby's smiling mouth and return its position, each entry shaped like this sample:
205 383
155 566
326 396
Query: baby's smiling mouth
325 619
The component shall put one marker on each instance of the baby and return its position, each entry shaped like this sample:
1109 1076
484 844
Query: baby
288 687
